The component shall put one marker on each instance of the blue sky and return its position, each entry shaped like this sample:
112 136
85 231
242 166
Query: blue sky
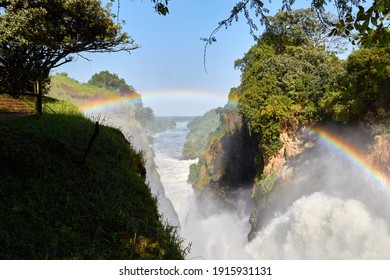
167 70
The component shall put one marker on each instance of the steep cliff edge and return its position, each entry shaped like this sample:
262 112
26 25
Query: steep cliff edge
75 189
198 137
128 115
227 163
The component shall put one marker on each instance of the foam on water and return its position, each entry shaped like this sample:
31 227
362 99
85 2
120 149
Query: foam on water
337 216
213 234
320 226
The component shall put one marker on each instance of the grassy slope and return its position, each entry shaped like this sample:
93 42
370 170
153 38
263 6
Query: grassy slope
54 207
81 94
64 88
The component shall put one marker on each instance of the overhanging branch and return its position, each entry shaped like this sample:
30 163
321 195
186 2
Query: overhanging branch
240 7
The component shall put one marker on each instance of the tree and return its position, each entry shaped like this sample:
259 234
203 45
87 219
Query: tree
363 89
371 24
39 35
105 79
284 77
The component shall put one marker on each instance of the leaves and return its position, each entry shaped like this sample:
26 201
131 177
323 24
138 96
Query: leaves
107 80
161 7
284 85
367 26
36 36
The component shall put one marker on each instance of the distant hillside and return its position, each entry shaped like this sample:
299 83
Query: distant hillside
200 129
84 95
64 87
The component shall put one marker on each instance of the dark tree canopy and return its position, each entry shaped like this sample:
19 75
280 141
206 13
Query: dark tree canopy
39 35
161 6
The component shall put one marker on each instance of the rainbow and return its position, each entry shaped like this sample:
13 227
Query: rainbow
102 104
161 98
351 153
185 95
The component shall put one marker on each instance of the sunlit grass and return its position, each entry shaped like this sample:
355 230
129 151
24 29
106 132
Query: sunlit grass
63 85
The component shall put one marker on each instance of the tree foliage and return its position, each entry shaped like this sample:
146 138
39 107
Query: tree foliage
368 25
363 90
285 75
290 77
161 6
37 36
107 80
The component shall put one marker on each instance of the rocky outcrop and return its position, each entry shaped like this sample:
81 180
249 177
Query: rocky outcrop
293 146
380 151
307 163
228 161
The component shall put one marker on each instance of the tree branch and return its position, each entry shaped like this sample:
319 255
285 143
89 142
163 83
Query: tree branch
240 7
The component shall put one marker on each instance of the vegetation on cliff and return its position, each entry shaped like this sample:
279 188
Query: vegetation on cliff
67 197
289 77
292 78
200 130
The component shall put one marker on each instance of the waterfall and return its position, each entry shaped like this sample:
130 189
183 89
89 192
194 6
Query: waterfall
332 216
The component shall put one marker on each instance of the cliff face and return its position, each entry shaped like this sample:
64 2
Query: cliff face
380 151
133 121
228 160
330 158
307 164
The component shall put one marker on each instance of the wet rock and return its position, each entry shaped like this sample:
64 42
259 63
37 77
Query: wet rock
253 220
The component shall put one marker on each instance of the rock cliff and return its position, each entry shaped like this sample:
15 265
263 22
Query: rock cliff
228 161
309 162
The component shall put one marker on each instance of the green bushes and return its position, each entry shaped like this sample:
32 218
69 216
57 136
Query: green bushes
364 88
265 184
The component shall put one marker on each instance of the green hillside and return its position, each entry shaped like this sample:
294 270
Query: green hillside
65 88
64 196
82 94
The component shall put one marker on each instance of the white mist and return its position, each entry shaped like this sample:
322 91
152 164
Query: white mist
213 234
336 216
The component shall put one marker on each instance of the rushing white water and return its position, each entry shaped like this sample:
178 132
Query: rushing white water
338 222
173 170
213 234
320 226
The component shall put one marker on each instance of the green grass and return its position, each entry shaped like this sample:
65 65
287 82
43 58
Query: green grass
52 206
64 86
